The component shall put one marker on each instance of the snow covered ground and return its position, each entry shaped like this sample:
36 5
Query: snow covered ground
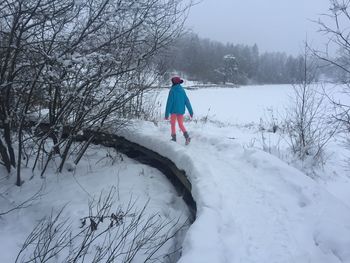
101 170
252 206
238 114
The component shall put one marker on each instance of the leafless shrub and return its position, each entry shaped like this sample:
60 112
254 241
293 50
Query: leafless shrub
24 204
271 145
270 122
151 107
107 234
307 123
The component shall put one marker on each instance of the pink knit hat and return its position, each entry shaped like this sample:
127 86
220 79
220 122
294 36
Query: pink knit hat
176 80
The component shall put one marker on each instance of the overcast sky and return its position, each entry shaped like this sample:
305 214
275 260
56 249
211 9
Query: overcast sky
274 25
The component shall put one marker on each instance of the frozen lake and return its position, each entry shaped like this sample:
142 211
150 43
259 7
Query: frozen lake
241 105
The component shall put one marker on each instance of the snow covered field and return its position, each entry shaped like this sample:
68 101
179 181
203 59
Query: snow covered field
238 113
252 206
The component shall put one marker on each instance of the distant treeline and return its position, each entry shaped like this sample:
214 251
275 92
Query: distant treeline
211 61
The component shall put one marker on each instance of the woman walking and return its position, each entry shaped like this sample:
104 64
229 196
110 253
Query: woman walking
175 107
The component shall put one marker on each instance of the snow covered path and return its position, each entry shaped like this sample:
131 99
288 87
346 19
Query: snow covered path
252 207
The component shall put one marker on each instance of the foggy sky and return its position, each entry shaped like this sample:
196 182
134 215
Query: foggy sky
274 25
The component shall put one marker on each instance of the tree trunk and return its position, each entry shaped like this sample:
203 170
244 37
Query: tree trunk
7 137
65 154
5 157
19 156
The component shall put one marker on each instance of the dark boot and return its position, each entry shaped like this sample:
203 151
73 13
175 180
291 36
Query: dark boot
173 137
187 137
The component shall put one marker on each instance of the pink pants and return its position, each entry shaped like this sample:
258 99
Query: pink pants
180 120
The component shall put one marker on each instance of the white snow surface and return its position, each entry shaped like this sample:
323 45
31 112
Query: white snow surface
100 170
252 207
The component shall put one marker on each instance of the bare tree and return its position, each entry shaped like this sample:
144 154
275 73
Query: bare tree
335 25
307 123
230 69
80 62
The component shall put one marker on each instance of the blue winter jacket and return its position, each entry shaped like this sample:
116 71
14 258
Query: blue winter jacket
177 100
